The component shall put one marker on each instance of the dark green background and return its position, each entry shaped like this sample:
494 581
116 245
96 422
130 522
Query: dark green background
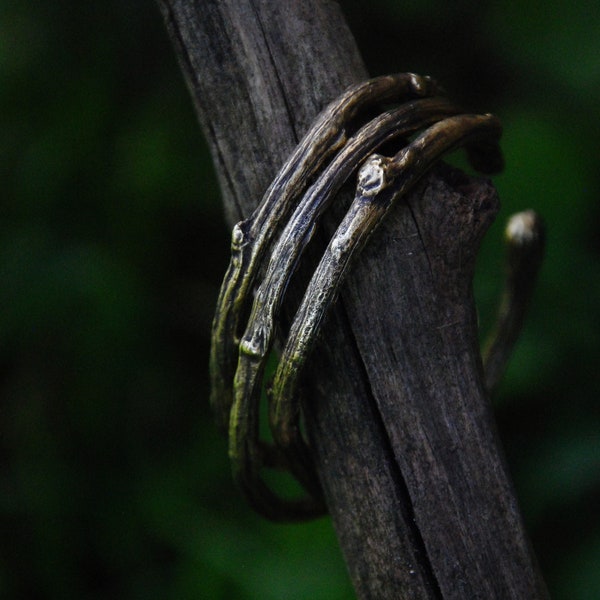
113 481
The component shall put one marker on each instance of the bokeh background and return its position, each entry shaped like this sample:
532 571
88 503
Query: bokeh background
113 480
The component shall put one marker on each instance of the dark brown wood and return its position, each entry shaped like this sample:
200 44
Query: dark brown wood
395 407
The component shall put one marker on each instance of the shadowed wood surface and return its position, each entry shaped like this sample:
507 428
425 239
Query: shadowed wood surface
395 408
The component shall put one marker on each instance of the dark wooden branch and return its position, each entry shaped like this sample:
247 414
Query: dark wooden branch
395 407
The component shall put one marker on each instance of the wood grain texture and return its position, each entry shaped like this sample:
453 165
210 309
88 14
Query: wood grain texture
395 409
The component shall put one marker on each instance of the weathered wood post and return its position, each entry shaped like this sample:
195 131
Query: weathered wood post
395 405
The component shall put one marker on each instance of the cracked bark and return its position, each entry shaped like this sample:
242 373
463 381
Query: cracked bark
395 408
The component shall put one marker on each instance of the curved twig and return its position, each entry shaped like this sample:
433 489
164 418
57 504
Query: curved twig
525 239
381 181
237 363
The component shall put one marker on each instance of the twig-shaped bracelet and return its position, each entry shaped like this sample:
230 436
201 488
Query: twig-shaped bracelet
238 364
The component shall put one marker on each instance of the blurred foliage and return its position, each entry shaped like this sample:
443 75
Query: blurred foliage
114 483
